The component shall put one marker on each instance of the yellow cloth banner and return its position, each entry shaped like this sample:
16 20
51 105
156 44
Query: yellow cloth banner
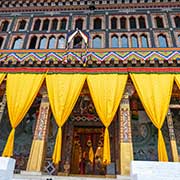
106 91
2 75
155 91
177 79
63 91
21 90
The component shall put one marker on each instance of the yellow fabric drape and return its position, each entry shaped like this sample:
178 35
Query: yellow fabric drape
91 154
155 91
106 91
2 75
63 91
21 90
177 79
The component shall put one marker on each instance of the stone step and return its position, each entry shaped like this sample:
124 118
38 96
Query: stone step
47 177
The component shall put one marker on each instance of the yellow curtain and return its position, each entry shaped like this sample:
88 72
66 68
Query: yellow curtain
155 91
177 79
21 90
63 91
106 91
2 75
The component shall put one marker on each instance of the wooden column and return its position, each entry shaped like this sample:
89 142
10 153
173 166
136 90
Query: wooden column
2 106
126 149
172 137
38 147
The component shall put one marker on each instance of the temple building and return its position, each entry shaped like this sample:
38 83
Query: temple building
87 86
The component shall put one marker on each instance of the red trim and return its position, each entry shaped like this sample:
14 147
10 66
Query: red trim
90 70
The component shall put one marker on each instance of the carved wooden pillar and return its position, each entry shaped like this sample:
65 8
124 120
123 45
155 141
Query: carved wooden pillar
38 147
172 137
2 106
126 149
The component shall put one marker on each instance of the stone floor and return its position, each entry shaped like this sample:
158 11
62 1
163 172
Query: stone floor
47 177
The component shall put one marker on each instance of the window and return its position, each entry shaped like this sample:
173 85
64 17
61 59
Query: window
17 43
77 42
42 43
61 42
132 22
159 22
1 42
22 25
96 42
79 24
179 41
134 41
114 41
144 41
123 23
4 26
54 25
142 24
124 41
33 42
52 41
45 25
162 41
114 23
63 24
177 21
97 23
37 25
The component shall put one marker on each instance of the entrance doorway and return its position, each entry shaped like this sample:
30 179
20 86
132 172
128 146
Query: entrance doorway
87 151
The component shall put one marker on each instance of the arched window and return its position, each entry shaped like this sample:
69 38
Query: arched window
77 42
96 42
63 24
42 43
114 23
159 22
144 41
17 44
37 25
132 22
123 23
124 41
114 41
61 42
142 23
179 41
97 23
177 21
54 25
33 42
134 41
52 41
22 25
79 24
45 25
4 26
1 42
162 41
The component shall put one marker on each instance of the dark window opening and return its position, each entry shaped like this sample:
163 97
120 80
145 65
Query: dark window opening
159 22
22 25
114 23
77 42
79 24
142 23
1 42
123 23
33 42
54 25
97 23
4 26
63 24
37 25
45 25
177 21
132 22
